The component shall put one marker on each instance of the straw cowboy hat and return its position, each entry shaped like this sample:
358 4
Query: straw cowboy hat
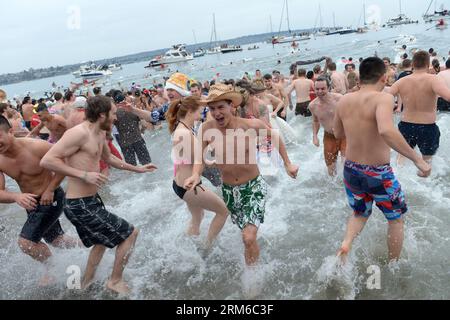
221 92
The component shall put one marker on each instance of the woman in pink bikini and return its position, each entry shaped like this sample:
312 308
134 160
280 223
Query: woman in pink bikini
181 116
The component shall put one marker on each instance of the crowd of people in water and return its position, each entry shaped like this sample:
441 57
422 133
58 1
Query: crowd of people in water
212 124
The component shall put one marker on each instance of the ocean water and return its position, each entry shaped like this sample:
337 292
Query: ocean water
305 218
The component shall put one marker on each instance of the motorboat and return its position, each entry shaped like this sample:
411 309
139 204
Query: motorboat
177 54
199 53
93 75
341 31
115 67
226 48
296 38
84 69
214 50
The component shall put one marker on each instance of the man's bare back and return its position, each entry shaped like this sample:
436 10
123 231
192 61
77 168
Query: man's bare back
339 82
27 111
358 112
419 94
302 87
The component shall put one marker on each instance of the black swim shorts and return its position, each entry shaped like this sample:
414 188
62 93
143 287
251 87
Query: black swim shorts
425 136
94 224
43 222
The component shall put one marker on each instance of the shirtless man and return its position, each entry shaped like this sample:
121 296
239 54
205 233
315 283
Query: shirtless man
58 107
277 90
55 124
27 112
40 194
77 156
390 73
419 93
339 82
160 99
323 110
365 118
444 105
302 87
244 189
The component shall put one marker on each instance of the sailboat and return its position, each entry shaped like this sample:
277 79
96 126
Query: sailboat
365 27
223 48
216 48
442 14
295 37
400 19
320 32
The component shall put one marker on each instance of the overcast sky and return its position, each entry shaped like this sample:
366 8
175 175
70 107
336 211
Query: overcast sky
42 33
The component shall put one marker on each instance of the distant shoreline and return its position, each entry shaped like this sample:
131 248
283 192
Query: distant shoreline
50 72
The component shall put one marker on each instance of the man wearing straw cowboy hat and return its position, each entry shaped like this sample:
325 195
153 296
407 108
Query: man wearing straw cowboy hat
243 188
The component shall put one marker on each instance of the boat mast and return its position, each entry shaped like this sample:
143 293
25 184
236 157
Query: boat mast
287 13
364 13
195 38
400 1
320 17
271 28
282 17
334 20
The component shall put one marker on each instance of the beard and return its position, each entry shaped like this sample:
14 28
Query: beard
106 125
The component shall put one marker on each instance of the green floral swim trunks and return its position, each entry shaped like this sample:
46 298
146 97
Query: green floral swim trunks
246 202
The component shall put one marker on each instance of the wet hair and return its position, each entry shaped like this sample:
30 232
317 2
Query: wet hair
371 70
68 95
97 90
179 109
407 63
41 100
58 96
41 107
26 100
4 124
268 76
431 50
274 72
447 64
387 59
317 68
96 106
435 63
301 72
325 79
404 46
405 56
196 85
3 107
310 75
332 66
421 59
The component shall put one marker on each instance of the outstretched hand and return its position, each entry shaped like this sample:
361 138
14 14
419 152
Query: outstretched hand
147 168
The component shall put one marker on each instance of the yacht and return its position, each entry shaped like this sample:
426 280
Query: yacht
341 31
115 67
437 15
296 38
92 75
399 20
177 54
225 48
199 53
83 69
